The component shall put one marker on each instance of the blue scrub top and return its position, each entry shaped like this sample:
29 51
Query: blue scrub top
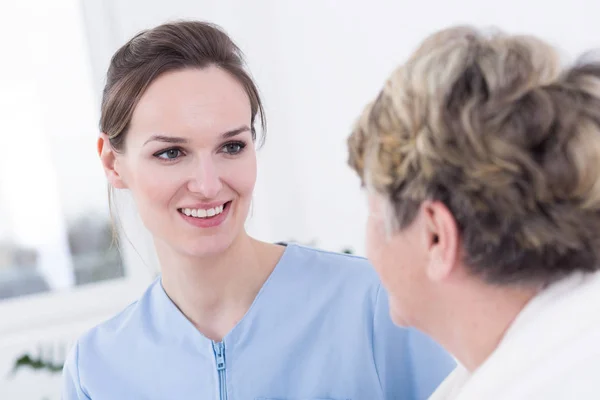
318 329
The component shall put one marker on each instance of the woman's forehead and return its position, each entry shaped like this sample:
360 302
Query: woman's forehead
192 102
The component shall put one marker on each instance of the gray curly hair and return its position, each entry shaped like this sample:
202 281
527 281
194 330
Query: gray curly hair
493 126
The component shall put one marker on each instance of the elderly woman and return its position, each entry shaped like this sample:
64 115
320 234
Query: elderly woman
481 158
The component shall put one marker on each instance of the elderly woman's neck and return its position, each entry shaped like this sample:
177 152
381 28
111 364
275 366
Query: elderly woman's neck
475 319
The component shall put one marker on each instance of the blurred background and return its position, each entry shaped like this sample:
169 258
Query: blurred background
316 62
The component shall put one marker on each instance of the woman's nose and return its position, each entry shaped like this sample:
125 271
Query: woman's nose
205 180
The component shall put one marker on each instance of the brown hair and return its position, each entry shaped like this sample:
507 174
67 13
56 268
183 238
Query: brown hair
168 47
494 127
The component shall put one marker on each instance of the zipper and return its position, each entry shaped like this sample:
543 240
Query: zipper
219 349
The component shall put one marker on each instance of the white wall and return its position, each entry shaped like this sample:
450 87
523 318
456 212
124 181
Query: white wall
317 63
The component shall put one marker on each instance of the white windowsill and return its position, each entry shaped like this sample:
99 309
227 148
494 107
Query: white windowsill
81 303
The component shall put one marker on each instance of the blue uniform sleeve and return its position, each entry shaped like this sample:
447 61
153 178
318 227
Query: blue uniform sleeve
71 386
409 363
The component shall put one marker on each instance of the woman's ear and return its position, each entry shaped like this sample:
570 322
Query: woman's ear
110 163
443 240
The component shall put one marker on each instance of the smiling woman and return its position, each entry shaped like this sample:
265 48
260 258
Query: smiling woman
229 316
188 147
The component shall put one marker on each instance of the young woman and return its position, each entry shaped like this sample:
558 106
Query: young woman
481 156
230 317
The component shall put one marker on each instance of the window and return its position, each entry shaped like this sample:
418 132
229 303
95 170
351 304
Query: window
57 260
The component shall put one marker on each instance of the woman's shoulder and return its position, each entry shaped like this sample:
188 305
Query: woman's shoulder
95 348
320 258
117 332
121 343
316 264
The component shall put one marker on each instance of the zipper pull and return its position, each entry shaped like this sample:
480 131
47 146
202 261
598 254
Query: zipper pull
220 353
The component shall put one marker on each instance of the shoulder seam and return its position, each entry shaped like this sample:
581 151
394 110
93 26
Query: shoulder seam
333 253
77 369
373 334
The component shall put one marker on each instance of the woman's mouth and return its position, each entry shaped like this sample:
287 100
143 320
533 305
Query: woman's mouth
204 213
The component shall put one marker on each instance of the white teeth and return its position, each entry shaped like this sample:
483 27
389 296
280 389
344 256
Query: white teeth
202 213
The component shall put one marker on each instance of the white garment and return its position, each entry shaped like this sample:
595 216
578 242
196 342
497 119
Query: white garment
550 352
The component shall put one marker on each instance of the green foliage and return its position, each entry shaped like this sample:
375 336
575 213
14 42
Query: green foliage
38 364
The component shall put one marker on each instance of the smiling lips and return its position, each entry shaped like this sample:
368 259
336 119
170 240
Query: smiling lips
206 217
202 213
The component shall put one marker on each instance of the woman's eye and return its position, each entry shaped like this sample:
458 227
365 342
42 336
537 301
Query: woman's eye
233 148
169 154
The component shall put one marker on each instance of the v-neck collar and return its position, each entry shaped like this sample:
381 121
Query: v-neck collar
171 321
